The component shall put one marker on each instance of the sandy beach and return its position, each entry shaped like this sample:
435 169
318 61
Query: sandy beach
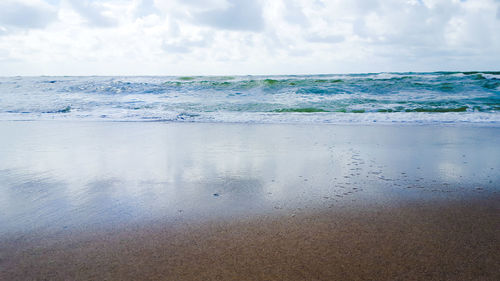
249 140
173 201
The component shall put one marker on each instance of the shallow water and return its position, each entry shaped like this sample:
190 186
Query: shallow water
63 175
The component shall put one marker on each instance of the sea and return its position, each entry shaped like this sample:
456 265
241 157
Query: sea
433 97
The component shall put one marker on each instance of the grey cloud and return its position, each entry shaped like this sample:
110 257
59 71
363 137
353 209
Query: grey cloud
145 8
366 6
196 2
53 2
359 28
319 3
176 48
294 15
299 52
20 15
92 13
173 28
4 54
245 15
331 39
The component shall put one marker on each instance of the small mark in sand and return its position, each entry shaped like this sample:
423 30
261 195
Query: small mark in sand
216 194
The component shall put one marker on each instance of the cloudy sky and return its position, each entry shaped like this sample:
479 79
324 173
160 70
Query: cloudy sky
217 37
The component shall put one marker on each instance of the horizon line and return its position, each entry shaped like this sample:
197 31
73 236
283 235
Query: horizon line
268 75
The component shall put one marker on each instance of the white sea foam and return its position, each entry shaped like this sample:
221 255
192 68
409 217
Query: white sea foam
357 98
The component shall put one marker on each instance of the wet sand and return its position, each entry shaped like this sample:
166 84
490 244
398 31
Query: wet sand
424 241
156 201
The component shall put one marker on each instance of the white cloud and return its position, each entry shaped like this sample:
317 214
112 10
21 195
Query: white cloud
246 37
94 12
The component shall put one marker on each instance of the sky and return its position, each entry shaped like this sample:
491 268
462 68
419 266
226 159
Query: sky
239 37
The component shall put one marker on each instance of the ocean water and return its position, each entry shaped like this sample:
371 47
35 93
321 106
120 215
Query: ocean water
438 97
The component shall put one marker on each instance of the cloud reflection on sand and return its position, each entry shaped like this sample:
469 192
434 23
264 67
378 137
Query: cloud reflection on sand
62 174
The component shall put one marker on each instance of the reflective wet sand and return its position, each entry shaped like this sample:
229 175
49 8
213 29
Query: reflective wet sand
93 200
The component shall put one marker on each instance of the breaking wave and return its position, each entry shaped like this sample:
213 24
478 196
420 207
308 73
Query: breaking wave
449 97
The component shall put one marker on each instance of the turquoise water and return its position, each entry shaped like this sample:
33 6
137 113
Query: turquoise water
442 97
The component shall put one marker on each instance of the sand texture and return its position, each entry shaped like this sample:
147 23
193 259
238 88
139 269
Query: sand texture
447 241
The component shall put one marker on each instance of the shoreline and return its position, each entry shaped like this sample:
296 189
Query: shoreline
478 124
